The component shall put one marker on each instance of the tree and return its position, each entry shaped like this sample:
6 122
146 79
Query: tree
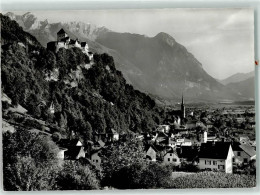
75 176
119 155
29 161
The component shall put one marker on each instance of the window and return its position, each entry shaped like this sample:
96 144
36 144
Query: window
245 160
170 154
169 159
214 162
238 154
174 160
221 167
207 162
233 160
97 161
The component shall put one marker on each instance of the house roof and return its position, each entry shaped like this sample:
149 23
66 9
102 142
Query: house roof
187 152
61 31
217 150
73 152
112 131
66 143
101 143
172 151
236 146
248 149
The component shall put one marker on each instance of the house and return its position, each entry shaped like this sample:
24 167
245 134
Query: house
151 153
161 138
172 142
243 153
216 156
71 149
188 154
95 157
183 142
112 135
74 153
171 157
163 128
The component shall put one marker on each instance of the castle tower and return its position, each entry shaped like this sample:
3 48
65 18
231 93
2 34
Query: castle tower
61 35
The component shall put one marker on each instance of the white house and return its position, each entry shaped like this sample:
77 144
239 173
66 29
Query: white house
95 158
216 156
183 142
171 157
172 142
151 153
243 153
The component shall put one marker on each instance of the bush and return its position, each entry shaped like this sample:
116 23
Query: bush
214 180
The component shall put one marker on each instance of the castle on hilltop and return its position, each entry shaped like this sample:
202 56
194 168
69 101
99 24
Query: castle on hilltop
64 41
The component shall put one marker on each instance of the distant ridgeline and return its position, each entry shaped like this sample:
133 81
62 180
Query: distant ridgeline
99 101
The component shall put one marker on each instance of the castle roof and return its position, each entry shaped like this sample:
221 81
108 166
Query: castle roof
61 31
83 44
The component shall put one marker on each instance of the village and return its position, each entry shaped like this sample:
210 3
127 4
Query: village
194 139
210 138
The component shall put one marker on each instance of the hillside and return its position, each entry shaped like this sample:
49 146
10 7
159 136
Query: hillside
245 88
237 78
164 67
86 100
154 65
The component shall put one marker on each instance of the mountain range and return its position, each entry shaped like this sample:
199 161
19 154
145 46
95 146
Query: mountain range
157 65
238 77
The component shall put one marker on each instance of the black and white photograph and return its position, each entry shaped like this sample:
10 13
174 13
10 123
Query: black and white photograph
112 99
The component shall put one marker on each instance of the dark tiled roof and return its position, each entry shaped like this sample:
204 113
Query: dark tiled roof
72 152
187 152
65 143
235 146
171 151
83 44
217 150
61 31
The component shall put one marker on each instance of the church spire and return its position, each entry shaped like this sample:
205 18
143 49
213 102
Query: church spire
182 108
182 100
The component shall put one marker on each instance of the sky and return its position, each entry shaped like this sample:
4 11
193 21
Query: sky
221 39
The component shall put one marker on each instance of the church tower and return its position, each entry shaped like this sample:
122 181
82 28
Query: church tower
182 108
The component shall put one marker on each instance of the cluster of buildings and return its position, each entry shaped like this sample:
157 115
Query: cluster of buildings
64 41
192 141
74 149
169 146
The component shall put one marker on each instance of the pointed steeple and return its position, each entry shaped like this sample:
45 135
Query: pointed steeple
182 100
183 114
